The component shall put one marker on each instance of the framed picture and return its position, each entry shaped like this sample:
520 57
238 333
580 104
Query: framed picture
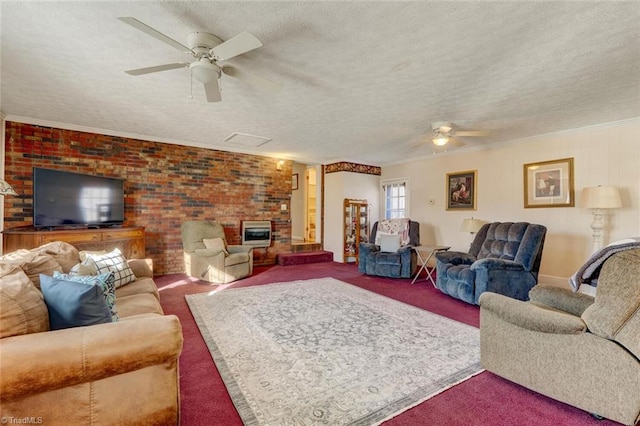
549 184
294 181
461 190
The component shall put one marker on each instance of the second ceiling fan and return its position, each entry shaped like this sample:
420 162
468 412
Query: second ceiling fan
443 134
208 50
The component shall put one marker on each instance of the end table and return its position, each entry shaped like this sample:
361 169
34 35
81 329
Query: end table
425 253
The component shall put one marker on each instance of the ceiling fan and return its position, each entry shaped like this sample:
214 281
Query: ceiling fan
208 50
443 133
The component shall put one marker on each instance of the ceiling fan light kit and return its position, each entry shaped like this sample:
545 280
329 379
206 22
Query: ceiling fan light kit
444 133
207 49
440 140
205 71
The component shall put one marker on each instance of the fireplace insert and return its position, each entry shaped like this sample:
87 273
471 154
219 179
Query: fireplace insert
256 233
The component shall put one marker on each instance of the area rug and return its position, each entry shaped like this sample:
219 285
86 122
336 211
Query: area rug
324 352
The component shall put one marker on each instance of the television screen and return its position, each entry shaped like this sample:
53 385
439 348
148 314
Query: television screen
63 199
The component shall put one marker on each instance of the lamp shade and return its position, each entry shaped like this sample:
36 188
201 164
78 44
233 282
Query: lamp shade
471 225
601 197
6 189
440 139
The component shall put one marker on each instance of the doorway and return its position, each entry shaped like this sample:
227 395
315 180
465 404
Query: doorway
311 208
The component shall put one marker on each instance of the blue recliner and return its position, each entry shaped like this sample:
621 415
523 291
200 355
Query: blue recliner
504 258
399 264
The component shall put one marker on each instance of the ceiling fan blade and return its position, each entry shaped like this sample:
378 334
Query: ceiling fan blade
472 133
235 46
456 142
212 90
155 33
157 68
253 79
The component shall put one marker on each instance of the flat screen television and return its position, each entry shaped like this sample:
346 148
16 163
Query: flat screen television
66 199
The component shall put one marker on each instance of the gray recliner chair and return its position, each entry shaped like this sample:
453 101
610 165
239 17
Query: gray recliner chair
220 263
401 263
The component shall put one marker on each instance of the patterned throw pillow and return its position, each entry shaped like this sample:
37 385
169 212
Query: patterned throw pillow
114 262
106 283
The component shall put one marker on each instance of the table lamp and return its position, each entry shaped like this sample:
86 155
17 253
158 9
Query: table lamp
471 225
6 189
597 199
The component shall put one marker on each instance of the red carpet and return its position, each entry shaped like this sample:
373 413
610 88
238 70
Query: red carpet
485 399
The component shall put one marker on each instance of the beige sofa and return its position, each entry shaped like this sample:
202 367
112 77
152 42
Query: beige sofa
572 347
122 373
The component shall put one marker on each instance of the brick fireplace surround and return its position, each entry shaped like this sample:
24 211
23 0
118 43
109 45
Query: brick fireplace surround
165 184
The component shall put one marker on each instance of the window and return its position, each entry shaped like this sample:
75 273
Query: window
396 199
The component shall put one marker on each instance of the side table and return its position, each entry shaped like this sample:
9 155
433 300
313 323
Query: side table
425 253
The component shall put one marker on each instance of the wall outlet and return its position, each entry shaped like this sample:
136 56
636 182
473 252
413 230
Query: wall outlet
283 207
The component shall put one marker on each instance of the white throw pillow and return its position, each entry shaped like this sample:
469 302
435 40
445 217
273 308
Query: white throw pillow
379 237
389 243
215 243
114 262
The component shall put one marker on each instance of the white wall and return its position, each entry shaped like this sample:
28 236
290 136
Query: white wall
337 187
603 155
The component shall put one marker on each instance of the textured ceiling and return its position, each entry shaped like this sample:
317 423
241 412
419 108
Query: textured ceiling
362 81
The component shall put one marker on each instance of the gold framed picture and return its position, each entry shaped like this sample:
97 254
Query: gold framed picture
461 190
549 184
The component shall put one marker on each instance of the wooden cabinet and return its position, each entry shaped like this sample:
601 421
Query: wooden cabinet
130 241
356 227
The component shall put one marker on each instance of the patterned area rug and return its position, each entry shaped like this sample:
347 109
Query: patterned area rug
324 352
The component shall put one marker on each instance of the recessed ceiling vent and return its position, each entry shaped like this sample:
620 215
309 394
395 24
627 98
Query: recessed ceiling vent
244 139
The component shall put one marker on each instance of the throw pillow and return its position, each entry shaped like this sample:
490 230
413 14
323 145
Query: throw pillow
22 308
73 304
64 253
106 283
32 263
215 243
389 243
379 236
114 262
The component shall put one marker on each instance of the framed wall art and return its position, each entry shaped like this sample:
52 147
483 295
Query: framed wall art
461 190
294 181
549 184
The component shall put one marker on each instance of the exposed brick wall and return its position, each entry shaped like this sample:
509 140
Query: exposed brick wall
165 184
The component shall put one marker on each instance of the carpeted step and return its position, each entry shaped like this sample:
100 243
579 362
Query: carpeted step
301 258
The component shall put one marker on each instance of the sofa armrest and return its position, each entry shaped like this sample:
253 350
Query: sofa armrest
239 249
455 257
141 267
206 252
562 299
35 363
530 316
365 248
497 264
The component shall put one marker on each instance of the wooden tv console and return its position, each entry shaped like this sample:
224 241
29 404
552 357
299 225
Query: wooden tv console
129 240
